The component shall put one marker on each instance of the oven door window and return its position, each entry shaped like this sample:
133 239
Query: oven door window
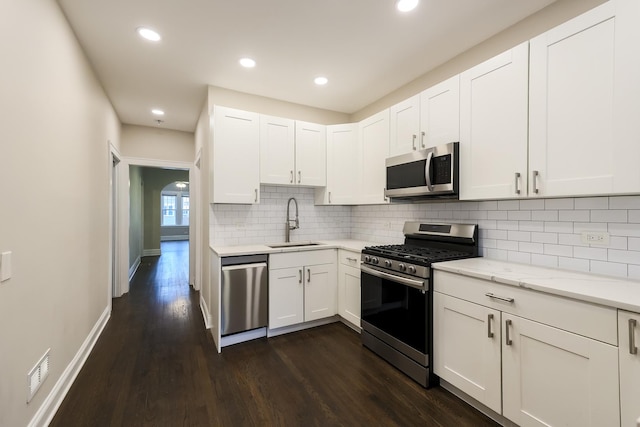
396 309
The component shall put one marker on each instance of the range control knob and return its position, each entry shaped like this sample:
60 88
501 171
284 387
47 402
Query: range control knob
387 263
412 269
367 258
402 267
374 260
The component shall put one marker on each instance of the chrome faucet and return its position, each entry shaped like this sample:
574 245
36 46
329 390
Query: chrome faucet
296 224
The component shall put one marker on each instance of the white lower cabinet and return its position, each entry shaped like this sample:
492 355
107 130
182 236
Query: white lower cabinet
349 286
536 359
302 287
629 358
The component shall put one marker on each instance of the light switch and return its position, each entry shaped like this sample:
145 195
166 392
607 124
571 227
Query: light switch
5 266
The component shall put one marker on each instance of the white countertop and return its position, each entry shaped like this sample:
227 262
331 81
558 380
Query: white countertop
603 290
352 245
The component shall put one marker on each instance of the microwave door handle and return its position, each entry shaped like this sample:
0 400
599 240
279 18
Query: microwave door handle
427 171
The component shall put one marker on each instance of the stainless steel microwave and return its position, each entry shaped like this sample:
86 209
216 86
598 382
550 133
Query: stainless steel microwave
432 172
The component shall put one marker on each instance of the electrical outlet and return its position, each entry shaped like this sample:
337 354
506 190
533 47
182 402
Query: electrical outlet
600 238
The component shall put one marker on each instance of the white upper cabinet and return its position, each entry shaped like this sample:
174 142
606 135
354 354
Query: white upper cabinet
277 150
404 126
311 154
374 149
584 98
440 114
236 136
426 120
343 166
493 126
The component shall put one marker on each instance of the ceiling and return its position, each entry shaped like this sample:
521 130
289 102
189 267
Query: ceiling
365 48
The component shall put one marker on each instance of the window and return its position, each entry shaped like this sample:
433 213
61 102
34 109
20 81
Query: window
169 209
185 210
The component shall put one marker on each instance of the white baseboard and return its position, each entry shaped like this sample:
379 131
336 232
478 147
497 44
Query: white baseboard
302 326
52 402
243 336
205 313
356 328
134 268
151 252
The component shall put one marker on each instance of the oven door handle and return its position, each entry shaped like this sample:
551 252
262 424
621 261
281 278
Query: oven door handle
414 283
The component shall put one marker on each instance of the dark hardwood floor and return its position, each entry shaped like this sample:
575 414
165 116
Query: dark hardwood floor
156 365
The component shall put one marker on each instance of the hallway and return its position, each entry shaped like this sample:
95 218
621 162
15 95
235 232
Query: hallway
156 365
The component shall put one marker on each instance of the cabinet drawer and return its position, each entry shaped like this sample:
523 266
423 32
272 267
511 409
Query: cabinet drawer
582 318
296 259
349 258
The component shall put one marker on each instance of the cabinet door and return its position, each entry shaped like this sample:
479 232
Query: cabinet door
277 136
440 114
349 293
571 106
493 127
286 297
236 136
466 348
342 164
374 148
554 377
320 292
404 126
311 154
629 357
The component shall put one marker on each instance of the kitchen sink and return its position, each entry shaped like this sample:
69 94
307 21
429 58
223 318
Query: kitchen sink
292 244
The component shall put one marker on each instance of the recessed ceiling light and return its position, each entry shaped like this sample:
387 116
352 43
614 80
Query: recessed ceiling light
247 62
320 81
148 34
406 5
157 112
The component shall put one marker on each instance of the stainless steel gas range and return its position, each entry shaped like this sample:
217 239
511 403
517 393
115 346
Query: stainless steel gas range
396 293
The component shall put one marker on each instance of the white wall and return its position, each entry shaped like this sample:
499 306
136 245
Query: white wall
265 222
54 176
136 215
157 143
543 232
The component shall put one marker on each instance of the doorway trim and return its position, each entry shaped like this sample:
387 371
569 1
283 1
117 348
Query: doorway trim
115 222
123 216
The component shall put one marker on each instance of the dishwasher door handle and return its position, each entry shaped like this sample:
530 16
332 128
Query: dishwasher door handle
243 266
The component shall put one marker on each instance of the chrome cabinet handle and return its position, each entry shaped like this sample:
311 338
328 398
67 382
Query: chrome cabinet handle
256 199
632 338
535 181
352 259
299 177
384 191
489 331
506 299
329 197
427 171
413 142
508 340
299 276
517 182
291 178
308 275
422 135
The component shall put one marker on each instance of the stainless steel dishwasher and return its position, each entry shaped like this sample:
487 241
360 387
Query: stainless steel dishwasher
244 293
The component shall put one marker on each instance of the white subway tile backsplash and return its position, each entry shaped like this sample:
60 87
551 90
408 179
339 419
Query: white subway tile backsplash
634 216
498 215
590 253
634 272
609 215
508 205
579 227
634 244
558 204
628 230
531 205
519 236
508 225
507 245
521 257
544 237
519 215
535 248
491 205
592 203
571 239
544 260
536 226
558 227
574 216
627 257
624 202
550 215
558 250
608 268
574 264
